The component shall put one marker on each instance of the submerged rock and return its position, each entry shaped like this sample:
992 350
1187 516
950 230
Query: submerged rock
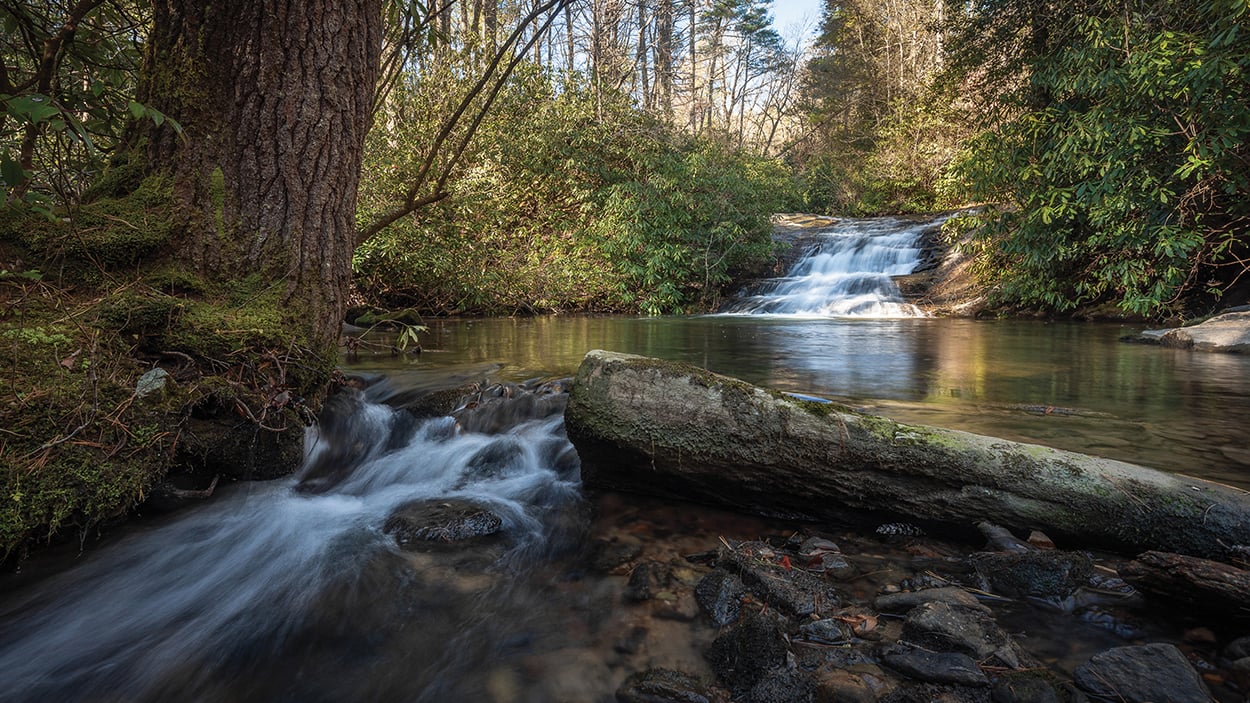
1141 674
944 627
664 686
902 602
426 525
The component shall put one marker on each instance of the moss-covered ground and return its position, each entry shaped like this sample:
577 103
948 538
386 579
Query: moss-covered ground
88 305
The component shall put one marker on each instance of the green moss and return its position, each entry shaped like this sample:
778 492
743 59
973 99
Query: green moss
139 312
109 234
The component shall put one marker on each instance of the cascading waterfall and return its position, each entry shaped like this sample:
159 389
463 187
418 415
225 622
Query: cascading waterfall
257 595
848 274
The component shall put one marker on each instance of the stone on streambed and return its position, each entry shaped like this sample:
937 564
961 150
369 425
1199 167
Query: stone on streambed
426 525
665 686
1142 674
673 430
742 655
771 575
720 595
943 627
935 667
1046 574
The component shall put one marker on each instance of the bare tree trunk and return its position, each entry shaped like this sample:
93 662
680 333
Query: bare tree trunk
572 45
643 57
275 97
664 56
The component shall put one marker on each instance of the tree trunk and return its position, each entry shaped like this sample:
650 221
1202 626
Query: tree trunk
275 98
664 56
1194 583
664 428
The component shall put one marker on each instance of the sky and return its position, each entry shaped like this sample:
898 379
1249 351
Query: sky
787 13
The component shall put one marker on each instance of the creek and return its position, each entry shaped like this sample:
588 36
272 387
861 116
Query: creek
272 593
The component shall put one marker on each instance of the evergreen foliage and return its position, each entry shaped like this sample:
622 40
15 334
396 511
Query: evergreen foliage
1115 152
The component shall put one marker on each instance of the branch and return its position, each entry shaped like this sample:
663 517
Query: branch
412 202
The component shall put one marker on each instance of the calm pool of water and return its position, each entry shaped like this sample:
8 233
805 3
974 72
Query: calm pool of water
1068 385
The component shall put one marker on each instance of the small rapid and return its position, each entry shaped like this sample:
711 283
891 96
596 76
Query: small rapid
257 595
848 273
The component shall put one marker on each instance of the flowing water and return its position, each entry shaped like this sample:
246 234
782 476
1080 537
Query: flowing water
292 590
847 273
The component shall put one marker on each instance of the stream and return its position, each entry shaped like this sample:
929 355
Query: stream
293 590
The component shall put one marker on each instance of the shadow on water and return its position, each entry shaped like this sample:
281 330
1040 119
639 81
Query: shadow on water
275 593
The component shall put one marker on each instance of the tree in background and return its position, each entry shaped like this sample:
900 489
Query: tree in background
878 139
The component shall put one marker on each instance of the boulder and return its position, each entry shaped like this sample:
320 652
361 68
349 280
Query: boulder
1229 332
670 429
426 525
1141 674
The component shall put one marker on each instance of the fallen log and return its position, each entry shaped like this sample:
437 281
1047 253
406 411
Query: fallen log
1195 583
670 429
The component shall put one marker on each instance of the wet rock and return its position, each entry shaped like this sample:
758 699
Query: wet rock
938 693
827 631
631 642
426 525
952 628
608 555
824 556
741 656
1035 573
1000 539
935 667
646 580
841 686
677 606
664 686
773 578
783 686
720 595
1151 672
1036 686
1238 648
902 602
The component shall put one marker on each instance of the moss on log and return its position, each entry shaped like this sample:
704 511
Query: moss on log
666 428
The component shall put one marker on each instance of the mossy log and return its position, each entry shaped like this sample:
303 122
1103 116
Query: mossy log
670 429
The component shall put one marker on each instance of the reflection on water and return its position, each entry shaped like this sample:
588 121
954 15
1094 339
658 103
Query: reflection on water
1070 385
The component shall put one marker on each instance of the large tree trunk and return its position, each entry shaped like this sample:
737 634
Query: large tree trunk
658 427
275 99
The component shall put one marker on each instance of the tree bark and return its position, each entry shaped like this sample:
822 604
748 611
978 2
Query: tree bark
275 99
1194 583
664 428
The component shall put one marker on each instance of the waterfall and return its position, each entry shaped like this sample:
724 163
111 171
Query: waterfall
846 274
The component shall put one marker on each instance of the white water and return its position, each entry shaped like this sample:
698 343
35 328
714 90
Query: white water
847 275
256 596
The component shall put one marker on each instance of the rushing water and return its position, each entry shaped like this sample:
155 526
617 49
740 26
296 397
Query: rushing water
277 593
847 273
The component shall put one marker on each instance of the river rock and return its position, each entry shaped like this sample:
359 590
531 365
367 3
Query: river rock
938 693
1198 583
720 595
835 685
1229 332
1032 686
1036 573
1238 648
944 627
647 580
935 667
1142 674
903 602
783 686
773 578
426 525
664 686
742 655
826 631
670 429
